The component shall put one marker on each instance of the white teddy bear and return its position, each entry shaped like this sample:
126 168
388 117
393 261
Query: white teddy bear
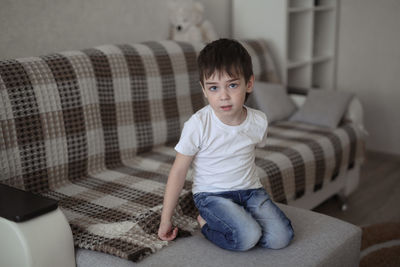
187 23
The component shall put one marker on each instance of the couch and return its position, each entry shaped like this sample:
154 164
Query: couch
95 129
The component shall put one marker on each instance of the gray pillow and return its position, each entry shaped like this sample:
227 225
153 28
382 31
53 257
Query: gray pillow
272 99
323 108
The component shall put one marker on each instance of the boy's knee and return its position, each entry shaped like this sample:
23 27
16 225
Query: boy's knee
278 241
248 238
284 240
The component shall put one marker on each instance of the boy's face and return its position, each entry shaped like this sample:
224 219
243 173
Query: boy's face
226 95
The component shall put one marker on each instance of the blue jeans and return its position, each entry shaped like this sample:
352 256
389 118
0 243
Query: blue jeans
239 220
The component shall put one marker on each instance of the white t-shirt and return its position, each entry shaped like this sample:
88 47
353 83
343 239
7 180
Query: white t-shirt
224 155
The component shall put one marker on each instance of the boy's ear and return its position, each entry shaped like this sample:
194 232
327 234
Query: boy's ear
202 88
250 84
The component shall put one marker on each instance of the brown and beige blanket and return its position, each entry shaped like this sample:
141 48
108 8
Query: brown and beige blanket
95 130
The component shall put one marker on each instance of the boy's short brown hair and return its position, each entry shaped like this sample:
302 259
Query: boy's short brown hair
224 55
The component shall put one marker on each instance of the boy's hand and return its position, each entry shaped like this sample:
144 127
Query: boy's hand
165 231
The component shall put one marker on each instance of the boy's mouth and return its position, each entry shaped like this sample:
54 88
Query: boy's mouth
226 108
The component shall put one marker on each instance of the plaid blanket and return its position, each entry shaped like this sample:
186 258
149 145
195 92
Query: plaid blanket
95 129
300 159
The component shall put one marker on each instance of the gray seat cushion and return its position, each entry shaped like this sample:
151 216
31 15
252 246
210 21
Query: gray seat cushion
319 240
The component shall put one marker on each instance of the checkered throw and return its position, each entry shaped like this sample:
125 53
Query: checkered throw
95 130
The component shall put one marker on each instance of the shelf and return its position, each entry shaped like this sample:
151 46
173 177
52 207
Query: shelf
325 3
300 36
311 43
298 63
324 8
307 5
322 75
300 3
300 9
321 59
324 33
300 76
306 9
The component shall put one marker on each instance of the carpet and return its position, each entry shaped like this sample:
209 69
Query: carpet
380 245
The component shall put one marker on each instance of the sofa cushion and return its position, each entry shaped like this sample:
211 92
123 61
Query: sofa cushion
272 99
323 108
319 241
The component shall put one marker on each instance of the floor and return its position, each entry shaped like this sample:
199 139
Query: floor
378 197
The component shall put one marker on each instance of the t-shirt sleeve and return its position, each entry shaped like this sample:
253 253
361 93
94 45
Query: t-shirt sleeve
190 140
263 141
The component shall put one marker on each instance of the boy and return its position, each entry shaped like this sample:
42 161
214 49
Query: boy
236 213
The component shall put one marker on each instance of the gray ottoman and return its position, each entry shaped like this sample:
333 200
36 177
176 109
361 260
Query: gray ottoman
319 241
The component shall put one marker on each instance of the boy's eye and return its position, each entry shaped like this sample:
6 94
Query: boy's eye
233 85
212 88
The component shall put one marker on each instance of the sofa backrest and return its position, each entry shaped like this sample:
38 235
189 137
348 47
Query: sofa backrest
69 114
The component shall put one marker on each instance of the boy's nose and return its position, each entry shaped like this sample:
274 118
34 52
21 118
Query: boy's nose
224 94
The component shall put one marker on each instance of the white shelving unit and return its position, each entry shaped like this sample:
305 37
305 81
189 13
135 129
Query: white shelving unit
302 35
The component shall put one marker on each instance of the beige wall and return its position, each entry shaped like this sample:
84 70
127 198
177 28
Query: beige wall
31 28
369 66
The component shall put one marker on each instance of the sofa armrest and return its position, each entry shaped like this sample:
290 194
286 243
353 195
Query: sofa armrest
34 232
355 114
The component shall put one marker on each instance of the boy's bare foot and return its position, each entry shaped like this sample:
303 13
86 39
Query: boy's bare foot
201 221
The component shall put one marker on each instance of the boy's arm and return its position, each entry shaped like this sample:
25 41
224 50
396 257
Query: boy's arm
176 180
